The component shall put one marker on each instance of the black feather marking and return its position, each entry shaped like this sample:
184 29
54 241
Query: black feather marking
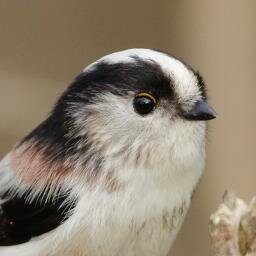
21 220
53 135
201 85
200 80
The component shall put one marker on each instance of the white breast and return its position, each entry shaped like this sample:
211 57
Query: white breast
141 218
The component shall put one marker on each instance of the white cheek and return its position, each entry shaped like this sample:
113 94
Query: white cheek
178 144
156 139
115 115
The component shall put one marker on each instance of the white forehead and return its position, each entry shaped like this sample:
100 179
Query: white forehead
184 79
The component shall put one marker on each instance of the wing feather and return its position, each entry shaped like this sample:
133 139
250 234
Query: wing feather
22 219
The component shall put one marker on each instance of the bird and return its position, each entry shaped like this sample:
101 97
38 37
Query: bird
112 169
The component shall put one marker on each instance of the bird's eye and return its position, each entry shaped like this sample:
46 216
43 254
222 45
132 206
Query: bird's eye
144 103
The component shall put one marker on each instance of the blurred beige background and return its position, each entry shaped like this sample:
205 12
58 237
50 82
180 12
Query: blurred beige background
44 44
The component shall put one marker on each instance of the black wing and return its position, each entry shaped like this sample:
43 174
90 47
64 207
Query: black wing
21 220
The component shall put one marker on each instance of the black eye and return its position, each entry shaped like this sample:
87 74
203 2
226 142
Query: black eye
144 103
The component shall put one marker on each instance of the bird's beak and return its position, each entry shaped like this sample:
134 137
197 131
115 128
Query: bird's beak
201 112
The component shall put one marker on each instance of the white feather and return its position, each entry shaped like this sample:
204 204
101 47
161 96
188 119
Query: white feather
141 217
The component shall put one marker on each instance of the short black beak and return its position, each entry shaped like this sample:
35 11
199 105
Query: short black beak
201 112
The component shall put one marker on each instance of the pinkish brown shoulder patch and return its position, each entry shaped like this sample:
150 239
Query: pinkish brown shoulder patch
30 165
33 168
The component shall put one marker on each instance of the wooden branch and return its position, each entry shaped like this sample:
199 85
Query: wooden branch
233 227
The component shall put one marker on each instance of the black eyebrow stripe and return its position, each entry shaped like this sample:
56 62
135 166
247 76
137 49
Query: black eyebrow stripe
200 79
201 85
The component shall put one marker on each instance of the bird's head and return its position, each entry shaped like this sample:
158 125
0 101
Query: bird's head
137 108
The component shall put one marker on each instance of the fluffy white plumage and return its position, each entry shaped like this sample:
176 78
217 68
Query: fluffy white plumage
137 203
